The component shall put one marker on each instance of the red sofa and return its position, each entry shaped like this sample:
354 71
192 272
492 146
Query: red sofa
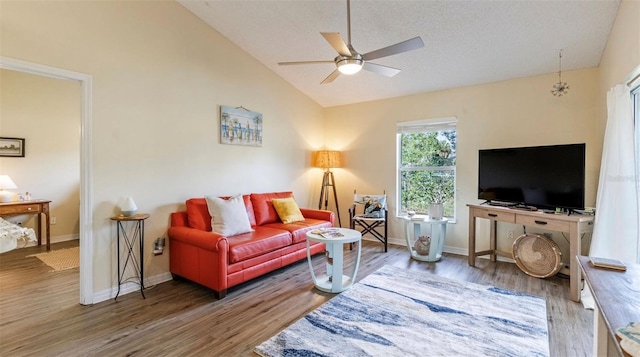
219 262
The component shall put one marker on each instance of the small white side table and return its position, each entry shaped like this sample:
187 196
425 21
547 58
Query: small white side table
417 226
334 281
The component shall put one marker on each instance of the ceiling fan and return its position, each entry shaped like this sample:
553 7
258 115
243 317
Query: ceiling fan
349 61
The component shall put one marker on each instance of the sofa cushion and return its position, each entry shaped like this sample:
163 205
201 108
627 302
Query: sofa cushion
263 207
261 241
198 213
299 229
229 216
287 210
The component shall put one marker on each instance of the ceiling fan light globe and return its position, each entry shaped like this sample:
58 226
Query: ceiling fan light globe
349 65
350 68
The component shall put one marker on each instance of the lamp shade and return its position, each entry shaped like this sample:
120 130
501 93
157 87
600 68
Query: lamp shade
6 182
327 159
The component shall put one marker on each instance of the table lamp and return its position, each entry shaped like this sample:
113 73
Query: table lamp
128 207
328 159
6 183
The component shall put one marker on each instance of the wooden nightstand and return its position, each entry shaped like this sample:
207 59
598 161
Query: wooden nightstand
39 207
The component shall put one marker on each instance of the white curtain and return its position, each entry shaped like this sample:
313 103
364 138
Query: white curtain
615 232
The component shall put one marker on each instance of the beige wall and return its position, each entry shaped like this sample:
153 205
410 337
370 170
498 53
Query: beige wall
46 112
518 112
159 77
621 55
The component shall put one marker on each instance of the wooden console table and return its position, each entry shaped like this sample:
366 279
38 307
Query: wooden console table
617 301
39 207
575 225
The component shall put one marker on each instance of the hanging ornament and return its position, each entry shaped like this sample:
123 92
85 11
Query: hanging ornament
561 88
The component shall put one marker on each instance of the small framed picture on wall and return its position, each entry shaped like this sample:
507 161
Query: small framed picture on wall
240 126
11 147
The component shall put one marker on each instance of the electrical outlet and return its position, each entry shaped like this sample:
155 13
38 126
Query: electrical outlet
53 220
511 235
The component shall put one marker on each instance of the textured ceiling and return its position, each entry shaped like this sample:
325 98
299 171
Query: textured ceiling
466 42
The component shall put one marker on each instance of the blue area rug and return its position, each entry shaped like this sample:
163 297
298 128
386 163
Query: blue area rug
398 312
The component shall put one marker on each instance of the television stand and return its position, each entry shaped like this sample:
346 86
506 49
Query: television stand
575 225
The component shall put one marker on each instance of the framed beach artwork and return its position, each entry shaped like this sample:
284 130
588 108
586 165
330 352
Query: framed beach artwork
240 126
12 147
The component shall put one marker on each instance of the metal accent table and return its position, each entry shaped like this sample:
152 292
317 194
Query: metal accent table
137 234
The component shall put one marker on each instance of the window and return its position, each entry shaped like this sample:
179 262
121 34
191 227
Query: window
635 103
426 165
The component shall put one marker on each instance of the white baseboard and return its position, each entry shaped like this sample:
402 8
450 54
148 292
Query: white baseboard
128 288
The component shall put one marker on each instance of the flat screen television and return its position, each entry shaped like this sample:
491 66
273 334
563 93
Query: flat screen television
546 177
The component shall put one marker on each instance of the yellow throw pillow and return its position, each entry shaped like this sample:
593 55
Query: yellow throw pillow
287 209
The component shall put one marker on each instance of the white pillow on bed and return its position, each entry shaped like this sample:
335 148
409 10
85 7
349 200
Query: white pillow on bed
228 217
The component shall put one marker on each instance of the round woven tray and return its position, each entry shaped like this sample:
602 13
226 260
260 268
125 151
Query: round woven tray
537 255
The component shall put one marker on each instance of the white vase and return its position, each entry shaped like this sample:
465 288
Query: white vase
436 210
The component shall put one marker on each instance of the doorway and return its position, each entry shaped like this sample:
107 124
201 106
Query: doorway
86 219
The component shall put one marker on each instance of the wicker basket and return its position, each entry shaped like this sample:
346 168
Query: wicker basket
537 255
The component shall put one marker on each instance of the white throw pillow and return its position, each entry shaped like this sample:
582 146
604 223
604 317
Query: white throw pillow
228 217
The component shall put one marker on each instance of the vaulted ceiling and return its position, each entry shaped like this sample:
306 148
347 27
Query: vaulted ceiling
465 42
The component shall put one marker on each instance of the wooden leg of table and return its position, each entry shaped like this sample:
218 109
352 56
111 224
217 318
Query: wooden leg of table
574 266
600 335
39 227
493 239
472 239
48 229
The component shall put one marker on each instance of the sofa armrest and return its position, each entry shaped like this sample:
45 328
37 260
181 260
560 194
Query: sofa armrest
206 240
318 214
179 219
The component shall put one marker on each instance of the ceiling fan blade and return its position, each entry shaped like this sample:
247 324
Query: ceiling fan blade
404 46
331 77
336 42
303 62
380 69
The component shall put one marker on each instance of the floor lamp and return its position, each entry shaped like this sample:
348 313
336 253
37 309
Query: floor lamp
327 160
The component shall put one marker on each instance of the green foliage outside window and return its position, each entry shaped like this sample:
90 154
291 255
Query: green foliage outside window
427 170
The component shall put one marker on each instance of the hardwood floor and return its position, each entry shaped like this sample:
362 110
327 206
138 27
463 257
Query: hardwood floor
40 314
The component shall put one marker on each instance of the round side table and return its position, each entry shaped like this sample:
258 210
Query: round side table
334 281
417 227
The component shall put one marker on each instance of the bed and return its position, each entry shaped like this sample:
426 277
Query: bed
10 233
